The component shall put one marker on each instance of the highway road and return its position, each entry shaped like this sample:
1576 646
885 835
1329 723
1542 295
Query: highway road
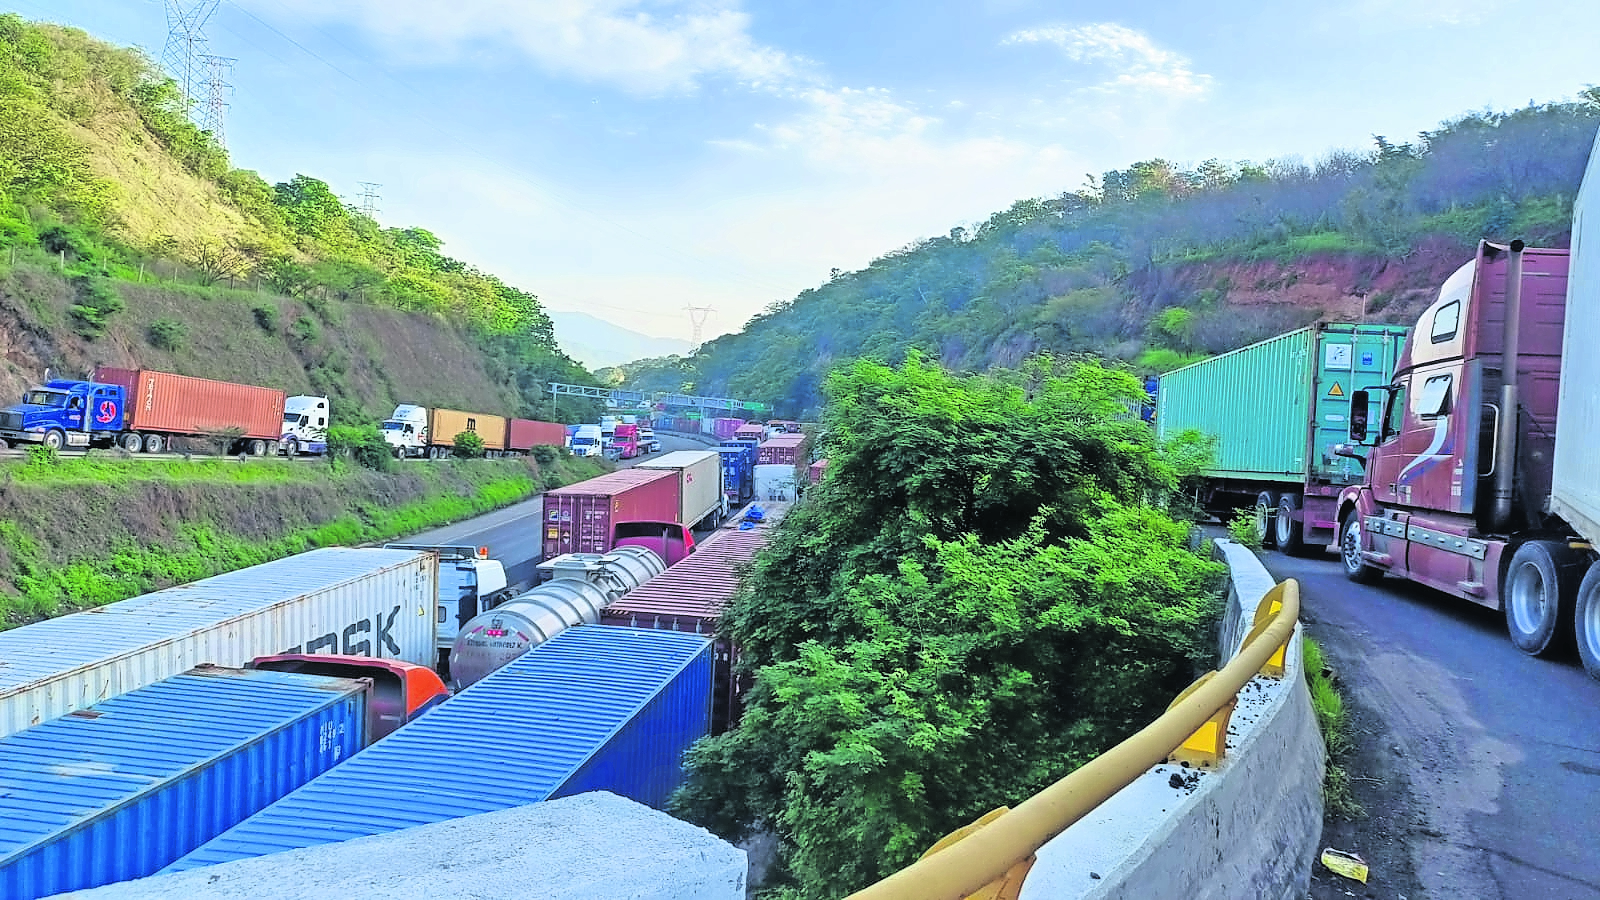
1479 766
512 533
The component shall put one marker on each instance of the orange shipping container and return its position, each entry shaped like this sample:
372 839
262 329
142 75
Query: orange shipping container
445 424
179 404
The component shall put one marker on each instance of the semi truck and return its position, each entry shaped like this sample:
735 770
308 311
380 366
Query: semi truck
141 409
625 438
700 493
416 431
305 426
629 507
469 583
1276 411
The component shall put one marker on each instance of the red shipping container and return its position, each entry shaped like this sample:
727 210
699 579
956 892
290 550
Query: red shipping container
693 593
579 518
752 430
817 468
726 428
525 434
780 449
179 404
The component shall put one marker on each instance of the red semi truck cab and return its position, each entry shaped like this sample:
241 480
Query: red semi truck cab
1458 477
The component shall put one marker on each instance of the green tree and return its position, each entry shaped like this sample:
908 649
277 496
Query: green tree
468 445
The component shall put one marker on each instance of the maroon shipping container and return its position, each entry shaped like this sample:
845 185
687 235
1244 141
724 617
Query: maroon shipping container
690 596
752 430
780 449
179 404
817 468
525 434
726 428
579 518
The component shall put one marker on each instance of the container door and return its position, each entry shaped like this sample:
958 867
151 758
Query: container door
1346 363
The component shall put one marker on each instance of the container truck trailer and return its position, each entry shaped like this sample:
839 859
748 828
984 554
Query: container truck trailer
592 709
354 602
587 517
700 493
141 409
1475 486
123 788
416 431
522 435
780 449
1277 410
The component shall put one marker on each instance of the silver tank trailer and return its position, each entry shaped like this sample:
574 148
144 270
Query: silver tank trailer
581 585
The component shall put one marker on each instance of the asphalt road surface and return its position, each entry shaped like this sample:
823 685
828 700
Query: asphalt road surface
1479 766
512 533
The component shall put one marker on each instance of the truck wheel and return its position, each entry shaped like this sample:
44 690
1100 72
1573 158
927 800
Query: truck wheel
1286 530
257 448
1266 506
291 448
54 439
1355 568
153 443
130 442
1537 594
1586 620
399 453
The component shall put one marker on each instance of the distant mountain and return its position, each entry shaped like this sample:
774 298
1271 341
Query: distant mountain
597 343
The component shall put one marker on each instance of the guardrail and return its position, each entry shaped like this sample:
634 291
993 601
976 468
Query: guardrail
990 857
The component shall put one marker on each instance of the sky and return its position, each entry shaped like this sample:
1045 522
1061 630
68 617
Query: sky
635 158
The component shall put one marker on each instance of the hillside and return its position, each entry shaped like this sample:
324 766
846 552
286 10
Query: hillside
1158 265
126 237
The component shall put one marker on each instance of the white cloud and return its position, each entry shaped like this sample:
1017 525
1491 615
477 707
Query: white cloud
1134 61
643 46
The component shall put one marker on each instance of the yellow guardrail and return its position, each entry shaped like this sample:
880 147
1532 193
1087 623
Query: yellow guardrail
989 858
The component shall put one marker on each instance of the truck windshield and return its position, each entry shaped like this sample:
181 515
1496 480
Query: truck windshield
45 398
582 440
387 426
293 419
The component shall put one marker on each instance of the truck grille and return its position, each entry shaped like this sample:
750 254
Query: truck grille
10 421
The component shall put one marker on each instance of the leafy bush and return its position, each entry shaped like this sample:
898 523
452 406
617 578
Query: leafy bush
97 302
468 445
266 318
1242 528
305 330
168 334
546 455
362 443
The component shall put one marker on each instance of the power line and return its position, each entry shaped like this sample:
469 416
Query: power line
697 318
369 199
186 41
217 86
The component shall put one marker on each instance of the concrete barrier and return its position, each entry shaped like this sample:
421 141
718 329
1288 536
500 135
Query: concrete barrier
577 848
1246 829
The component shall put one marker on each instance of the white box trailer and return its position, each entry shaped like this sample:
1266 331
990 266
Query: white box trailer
1575 481
361 602
699 483
775 481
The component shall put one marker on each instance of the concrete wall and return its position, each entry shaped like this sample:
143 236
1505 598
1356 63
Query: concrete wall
576 848
1246 829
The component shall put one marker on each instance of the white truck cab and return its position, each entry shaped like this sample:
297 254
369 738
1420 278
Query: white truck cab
406 430
588 441
305 425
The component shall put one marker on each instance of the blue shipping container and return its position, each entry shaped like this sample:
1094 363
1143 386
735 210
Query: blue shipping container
125 787
738 481
596 708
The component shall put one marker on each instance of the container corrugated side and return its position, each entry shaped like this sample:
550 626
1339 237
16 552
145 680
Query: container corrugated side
780 449
579 517
602 708
161 401
1575 480
525 434
445 424
1254 401
699 481
336 600
120 790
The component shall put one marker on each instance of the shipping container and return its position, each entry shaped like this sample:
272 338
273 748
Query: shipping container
776 482
780 449
523 435
336 600
581 518
817 468
699 474
738 475
753 430
179 404
445 424
726 428
690 596
593 709
1575 479
120 789
1276 410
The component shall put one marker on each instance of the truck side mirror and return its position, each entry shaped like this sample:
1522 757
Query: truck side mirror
1360 405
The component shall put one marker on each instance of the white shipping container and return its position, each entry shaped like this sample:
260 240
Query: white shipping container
1575 482
338 600
776 482
699 481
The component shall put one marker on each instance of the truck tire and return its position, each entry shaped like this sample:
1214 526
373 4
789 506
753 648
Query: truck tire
130 442
257 447
154 443
1266 507
1355 568
1287 531
1537 593
291 448
1586 620
54 439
